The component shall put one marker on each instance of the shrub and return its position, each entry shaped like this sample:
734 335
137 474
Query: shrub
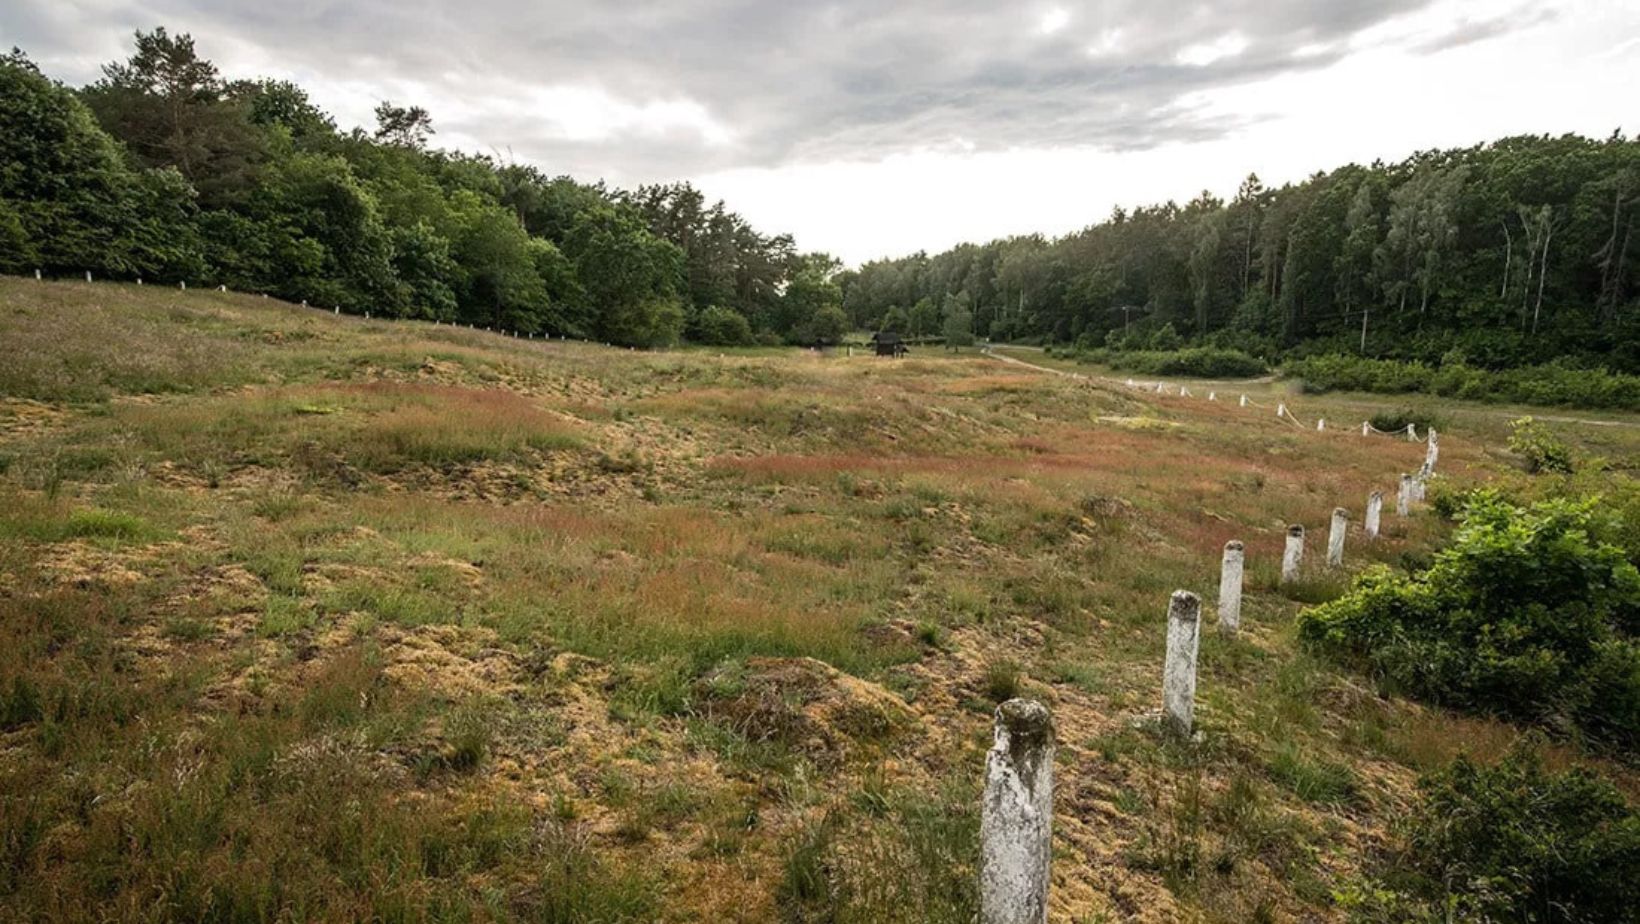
1541 450
1548 384
720 326
1527 614
1202 362
1511 842
1397 420
1166 339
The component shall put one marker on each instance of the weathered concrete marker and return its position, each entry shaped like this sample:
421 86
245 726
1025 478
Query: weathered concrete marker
1375 512
1292 557
1016 817
1184 612
1335 537
1403 498
1434 450
1230 573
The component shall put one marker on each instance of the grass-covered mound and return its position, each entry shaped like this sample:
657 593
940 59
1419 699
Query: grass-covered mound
1530 613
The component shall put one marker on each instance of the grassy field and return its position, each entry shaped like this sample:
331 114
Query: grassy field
307 617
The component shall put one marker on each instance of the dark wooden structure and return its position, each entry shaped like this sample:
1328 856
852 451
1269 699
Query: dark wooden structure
888 343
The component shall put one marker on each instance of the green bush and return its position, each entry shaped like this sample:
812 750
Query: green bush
720 326
1541 450
1166 339
1397 420
1548 384
1200 362
1511 843
1530 614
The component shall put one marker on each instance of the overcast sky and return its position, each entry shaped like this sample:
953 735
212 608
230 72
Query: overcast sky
872 128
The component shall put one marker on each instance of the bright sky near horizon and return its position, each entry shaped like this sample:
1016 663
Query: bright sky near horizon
869 129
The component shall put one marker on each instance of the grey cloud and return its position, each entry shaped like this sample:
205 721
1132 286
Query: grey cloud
1471 31
792 81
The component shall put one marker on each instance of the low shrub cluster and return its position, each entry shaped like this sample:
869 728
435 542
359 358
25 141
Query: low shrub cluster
1541 450
1531 613
1511 842
1202 362
1397 420
1548 384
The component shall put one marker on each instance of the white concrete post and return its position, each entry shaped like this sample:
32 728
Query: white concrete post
1159 388
1016 816
1320 424
87 275
1434 450
1130 382
1403 498
222 288
1230 587
1184 611
1420 484
1292 557
183 285
1184 392
1281 410
139 280
1243 401
37 277
1375 512
1212 396
1412 433
1365 427
1335 537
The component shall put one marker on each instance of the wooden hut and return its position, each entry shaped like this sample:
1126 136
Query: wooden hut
888 343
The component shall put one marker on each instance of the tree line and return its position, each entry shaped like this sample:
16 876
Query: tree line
1515 252
165 170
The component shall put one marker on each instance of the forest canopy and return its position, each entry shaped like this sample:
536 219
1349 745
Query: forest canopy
1504 254
167 171
1501 255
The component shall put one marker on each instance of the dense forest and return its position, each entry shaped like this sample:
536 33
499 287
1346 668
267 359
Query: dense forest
166 171
1502 255
1515 252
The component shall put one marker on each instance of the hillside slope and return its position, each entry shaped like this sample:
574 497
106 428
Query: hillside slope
348 619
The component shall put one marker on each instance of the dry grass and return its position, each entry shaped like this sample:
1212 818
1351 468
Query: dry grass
328 619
